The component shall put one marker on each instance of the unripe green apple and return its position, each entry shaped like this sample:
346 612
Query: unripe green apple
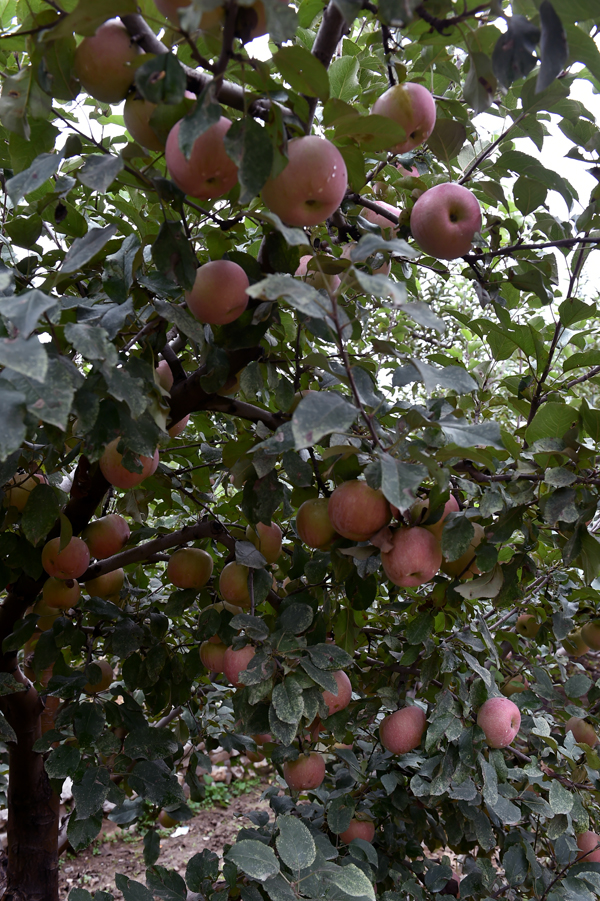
313 524
582 731
401 731
106 536
70 563
19 488
103 62
415 557
189 567
267 539
500 720
114 472
527 625
107 585
344 693
412 106
574 644
590 633
515 685
166 821
357 511
219 293
305 773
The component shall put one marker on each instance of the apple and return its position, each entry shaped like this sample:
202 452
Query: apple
319 280
251 21
401 731
19 488
189 567
70 563
164 375
590 633
412 106
267 539
233 584
444 221
262 738
452 887
212 655
527 625
574 644
219 292
500 720
378 219
209 172
420 511
465 567
103 62
359 828
357 511
236 662
107 585
582 731
313 524
136 115
115 473
46 615
589 847
306 773
166 821
178 427
94 688
61 593
106 536
415 557
339 701
515 685
312 185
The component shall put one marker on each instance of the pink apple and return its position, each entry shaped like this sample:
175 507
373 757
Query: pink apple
420 511
401 731
178 427
359 828
233 584
236 662
319 280
582 731
412 106
103 62
378 219
209 172
357 511
219 292
266 539
70 563
164 375
115 473
414 559
444 221
313 524
136 115
589 847
305 773
312 185
500 719
344 693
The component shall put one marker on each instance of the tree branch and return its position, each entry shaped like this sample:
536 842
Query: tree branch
504 251
331 30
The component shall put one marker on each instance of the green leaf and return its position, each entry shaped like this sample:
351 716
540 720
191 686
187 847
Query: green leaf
131 890
297 293
251 149
25 310
399 480
329 657
295 844
457 535
161 79
529 195
254 859
26 357
465 435
184 321
420 628
560 798
91 793
447 139
296 618
287 700
352 881
343 78
321 414
371 132
173 254
166 884
577 686
88 722
205 113
63 762
204 865
7 733
40 513
554 51
552 420
12 412
42 168
513 55
151 847
82 832
480 83
82 250
88 15
304 72
100 170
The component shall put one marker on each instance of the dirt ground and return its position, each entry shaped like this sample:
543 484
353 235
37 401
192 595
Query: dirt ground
94 869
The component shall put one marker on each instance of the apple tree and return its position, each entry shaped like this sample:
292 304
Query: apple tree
299 430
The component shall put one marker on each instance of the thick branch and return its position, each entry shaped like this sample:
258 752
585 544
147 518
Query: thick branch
331 31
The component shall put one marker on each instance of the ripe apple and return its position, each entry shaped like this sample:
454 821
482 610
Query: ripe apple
444 221
515 686
136 115
263 738
574 644
313 524
344 693
420 511
401 731
590 633
465 567
178 427
306 773
189 567
103 62
319 280
378 219
61 593
164 375
500 720
70 563
267 539
414 559
209 172
115 473
106 536
527 625
94 688
236 662
164 819
582 731
412 106
233 584
219 292
212 655
357 511
107 585
362 827
312 185
19 488
589 847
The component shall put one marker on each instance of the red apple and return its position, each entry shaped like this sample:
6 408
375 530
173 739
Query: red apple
306 773
312 185
107 585
219 292
319 280
178 427
401 731
414 559
343 696
212 655
115 473
233 584
313 524
582 731
61 593
500 719
103 62
236 662
412 106
106 536
70 563
359 828
444 221
589 847
267 539
189 567
357 511
209 172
